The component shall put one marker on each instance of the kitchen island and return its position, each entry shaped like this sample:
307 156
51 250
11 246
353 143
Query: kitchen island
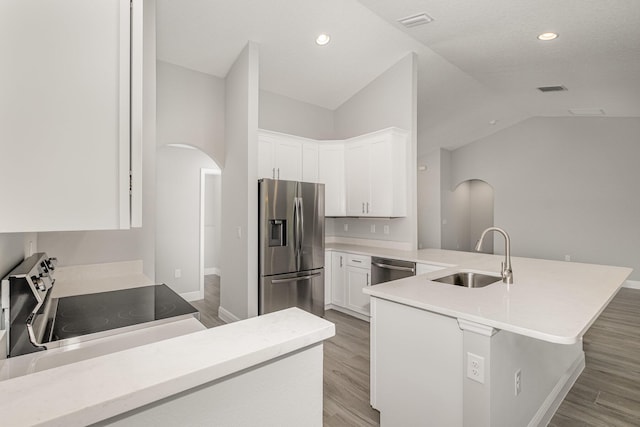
501 355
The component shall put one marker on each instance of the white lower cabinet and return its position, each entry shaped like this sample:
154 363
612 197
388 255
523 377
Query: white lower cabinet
350 274
357 280
338 267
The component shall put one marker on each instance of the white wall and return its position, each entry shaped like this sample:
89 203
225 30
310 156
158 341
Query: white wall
389 100
212 212
283 114
89 247
468 211
429 200
191 109
178 217
14 247
563 186
239 267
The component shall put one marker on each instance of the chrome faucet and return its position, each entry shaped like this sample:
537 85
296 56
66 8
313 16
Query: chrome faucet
507 273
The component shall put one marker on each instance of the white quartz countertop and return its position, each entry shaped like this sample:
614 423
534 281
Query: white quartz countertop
91 390
553 301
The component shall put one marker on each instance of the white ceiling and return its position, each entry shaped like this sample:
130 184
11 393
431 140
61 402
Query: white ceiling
479 60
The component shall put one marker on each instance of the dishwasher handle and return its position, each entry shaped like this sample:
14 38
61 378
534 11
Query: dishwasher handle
394 267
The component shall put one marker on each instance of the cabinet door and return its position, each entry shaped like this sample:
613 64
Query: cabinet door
288 160
331 174
310 162
65 114
266 165
357 178
357 280
338 266
381 182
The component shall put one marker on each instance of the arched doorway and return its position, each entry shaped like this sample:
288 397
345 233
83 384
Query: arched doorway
470 212
187 218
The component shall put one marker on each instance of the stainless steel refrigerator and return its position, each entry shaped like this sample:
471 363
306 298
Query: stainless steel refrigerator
291 246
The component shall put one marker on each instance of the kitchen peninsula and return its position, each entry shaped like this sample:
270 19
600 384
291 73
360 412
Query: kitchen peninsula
501 355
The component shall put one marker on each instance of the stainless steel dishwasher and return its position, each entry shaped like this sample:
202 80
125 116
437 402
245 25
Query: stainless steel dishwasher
386 270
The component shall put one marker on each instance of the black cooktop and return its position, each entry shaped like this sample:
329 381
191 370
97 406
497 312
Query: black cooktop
91 313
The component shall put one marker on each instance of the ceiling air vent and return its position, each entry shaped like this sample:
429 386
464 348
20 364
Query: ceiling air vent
552 88
415 20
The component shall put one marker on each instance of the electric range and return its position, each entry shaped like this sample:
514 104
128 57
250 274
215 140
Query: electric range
35 321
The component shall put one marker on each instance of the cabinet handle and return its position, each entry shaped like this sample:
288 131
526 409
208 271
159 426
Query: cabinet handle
367 207
356 260
367 279
362 207
341 261
278 173
273 173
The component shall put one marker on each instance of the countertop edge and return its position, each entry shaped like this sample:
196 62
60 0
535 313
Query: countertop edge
103 387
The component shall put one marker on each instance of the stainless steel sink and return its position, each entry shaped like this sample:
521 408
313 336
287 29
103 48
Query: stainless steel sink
469 279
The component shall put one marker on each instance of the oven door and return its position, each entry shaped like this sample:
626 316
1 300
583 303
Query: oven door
386 270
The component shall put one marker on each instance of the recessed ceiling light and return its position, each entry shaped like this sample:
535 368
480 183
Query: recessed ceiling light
547 36
323 39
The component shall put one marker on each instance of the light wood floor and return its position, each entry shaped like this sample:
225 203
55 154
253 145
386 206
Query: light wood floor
607 394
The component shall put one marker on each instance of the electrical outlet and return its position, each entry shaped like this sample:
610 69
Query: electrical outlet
239 232
475 367
567 258
346 227
373 228
386 229
178 273
518 382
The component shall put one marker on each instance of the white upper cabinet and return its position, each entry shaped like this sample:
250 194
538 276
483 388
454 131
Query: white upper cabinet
331 174
70 114
310 154
280 156
365 176
376 174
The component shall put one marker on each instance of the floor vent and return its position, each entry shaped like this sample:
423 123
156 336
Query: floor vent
552 88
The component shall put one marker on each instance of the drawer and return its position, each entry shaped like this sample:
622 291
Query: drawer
362 261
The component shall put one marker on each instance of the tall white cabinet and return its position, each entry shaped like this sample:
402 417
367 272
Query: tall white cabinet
376 174
331 174
70 114
279 156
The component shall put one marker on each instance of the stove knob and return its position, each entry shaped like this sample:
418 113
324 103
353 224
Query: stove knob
40 284
52 262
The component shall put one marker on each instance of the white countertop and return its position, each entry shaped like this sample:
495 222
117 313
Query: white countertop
553 301
101 387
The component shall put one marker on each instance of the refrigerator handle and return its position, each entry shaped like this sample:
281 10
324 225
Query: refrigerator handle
301 213
296 230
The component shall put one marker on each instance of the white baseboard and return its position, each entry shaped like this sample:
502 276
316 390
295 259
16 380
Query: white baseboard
226 316
557 395
632 284
193 296
212 270
347 311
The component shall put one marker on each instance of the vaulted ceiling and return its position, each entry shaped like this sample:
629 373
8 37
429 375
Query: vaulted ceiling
479 60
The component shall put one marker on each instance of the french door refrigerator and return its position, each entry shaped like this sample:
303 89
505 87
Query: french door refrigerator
291 246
